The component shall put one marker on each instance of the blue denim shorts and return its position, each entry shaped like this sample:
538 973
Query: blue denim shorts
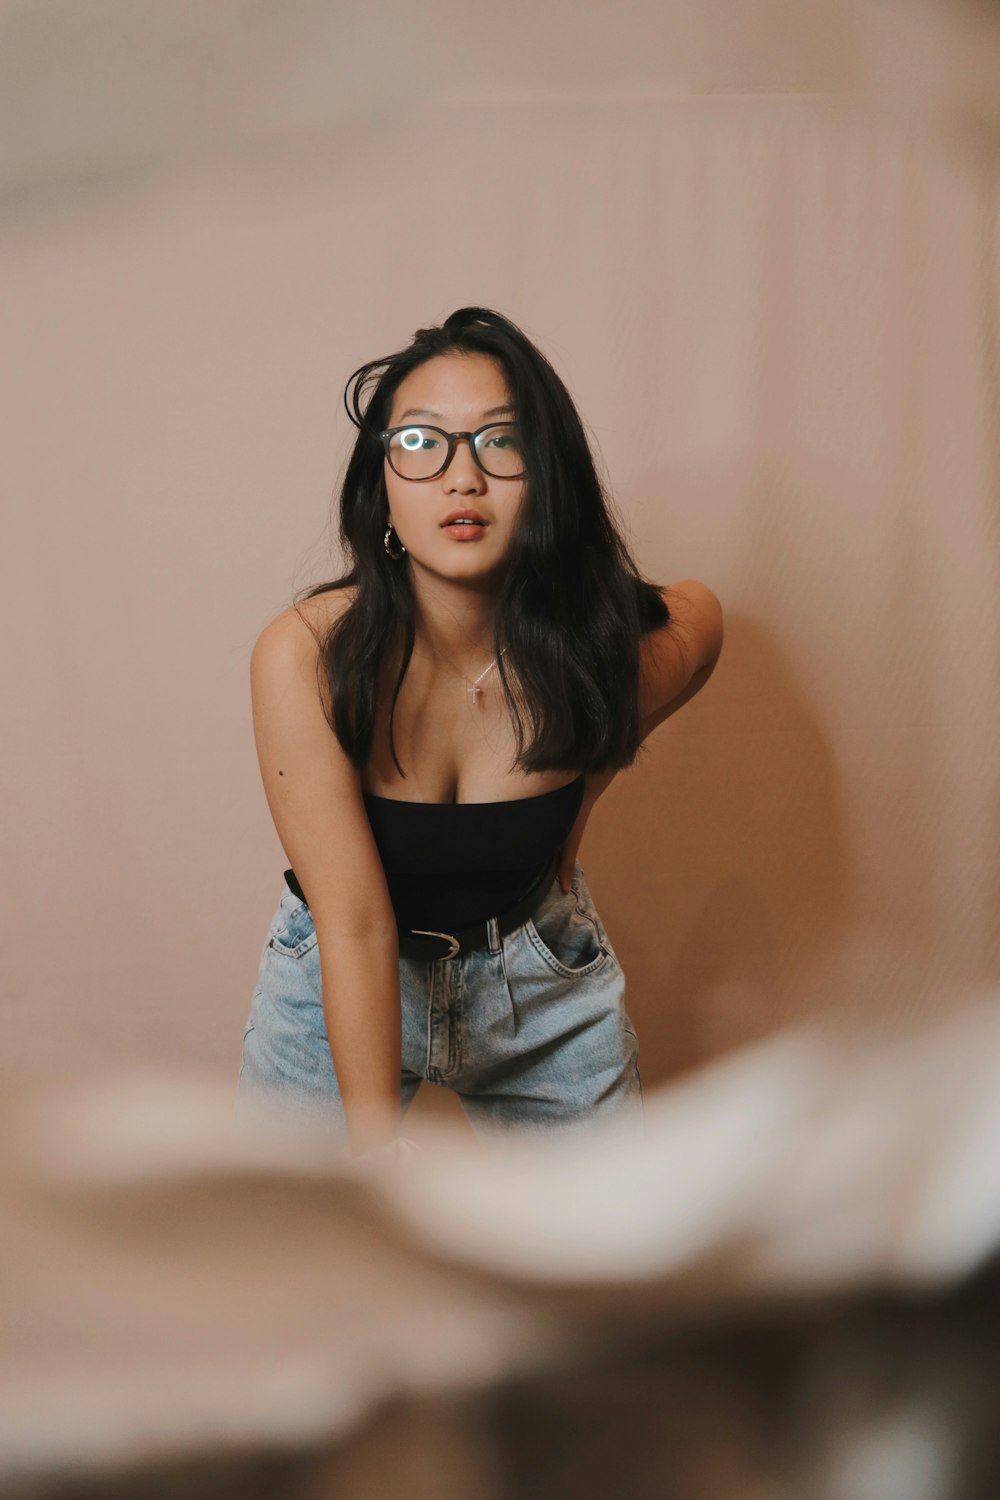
528 1030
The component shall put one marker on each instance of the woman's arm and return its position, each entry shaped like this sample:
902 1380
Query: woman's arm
675 663
314 794
678 659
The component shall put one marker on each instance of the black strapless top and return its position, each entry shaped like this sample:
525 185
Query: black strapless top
450 864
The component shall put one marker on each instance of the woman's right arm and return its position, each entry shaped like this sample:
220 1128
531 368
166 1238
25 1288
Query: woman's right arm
314 794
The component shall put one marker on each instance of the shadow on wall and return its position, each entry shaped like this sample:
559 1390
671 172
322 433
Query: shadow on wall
792 841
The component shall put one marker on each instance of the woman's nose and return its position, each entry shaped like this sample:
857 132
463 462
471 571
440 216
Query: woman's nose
463 472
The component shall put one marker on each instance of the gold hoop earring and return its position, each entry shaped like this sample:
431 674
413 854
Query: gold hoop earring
385 543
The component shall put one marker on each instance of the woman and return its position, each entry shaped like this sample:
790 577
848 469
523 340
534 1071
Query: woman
433 730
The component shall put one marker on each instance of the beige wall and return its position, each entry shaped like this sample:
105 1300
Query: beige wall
777 309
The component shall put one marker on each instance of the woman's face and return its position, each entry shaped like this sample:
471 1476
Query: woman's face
459 393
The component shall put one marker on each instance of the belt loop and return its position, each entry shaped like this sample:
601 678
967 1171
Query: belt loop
493 933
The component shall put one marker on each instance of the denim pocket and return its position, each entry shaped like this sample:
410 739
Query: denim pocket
565 935
292 932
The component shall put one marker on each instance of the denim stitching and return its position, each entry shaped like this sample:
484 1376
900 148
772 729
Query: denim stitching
538 943
300 949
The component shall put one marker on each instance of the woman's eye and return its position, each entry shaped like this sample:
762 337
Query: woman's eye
416 440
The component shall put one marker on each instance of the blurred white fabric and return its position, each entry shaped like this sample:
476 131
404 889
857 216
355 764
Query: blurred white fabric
175 1277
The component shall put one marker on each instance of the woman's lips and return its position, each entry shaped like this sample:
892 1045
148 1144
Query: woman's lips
464 532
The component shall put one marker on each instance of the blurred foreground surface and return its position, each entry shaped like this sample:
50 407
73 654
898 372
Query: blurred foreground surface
788 1286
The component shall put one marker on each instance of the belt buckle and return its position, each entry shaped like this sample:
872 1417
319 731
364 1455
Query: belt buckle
454 944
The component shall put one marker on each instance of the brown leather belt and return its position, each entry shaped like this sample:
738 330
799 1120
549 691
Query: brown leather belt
418 943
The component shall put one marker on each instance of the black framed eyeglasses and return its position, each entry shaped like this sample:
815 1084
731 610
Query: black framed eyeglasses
421 452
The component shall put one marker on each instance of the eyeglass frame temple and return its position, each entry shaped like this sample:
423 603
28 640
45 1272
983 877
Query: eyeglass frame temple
452 440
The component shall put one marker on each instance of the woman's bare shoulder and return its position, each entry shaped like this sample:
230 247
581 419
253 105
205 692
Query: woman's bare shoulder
691 638
317 612
696 621
291 642
322 609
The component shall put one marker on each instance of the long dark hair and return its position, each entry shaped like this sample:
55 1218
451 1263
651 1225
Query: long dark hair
572 607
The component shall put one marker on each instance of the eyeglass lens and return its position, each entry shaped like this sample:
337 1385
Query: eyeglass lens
420 452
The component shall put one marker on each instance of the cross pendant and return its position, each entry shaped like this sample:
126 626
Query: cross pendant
473 691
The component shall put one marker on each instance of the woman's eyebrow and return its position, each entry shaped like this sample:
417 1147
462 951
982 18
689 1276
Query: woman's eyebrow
425 411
